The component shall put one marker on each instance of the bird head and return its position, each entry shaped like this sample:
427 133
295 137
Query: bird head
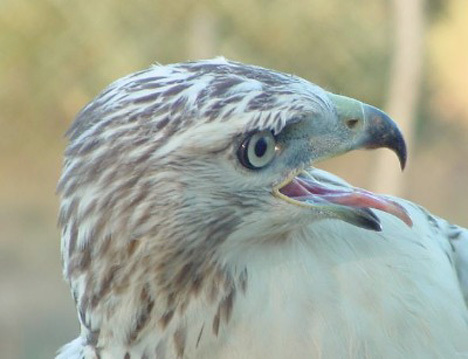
170 164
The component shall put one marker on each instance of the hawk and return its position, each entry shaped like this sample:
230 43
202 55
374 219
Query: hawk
194 225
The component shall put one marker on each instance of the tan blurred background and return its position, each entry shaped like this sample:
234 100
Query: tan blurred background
407 56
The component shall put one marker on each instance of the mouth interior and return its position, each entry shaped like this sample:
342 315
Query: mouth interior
309 190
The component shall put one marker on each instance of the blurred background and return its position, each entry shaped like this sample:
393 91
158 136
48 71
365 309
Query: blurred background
409 57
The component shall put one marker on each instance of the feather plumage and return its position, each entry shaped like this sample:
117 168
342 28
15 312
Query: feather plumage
173 249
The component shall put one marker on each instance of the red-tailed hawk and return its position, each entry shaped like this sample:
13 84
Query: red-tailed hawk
194 226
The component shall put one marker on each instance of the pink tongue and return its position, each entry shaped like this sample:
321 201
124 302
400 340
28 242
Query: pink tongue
301 189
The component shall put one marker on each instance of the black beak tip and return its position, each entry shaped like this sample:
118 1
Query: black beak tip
365 218
394 140
399 147
384 132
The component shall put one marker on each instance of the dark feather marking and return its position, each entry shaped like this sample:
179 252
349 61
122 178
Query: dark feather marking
215 326
170 300
82 149
449 257
105 245
127 355
102 221
151 83
214 111
140 142
262 101
93 337
152 97
228 114
454 235
277 117
200 335
243 279
84 120
82 310
153 80
96 122
97 165
131 182
233 99
182 278
202 68
132 246
226 305
105 285
108 202
175 125
79 262
175 90
161 110
175 82
432 220
111 88
166 319
144 115
256 121
147 304
201 97
62 183
197 281
224 85
267 119
178 105
73 237
107 179
179 341
66 215
162 123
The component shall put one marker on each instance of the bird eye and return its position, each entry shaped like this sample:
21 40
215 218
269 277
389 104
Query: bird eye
257 150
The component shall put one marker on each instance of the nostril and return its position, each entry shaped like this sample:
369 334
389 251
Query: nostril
352 123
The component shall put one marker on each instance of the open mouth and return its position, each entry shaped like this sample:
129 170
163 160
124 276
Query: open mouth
312 189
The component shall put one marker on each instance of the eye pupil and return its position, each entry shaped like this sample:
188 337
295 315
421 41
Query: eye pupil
261 147
257 150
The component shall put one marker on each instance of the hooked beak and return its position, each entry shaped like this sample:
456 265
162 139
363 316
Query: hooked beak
376 129
359 126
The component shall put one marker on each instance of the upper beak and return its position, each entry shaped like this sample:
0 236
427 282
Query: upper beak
373 127
353 125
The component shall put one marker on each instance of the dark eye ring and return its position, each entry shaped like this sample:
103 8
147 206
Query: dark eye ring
257 150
